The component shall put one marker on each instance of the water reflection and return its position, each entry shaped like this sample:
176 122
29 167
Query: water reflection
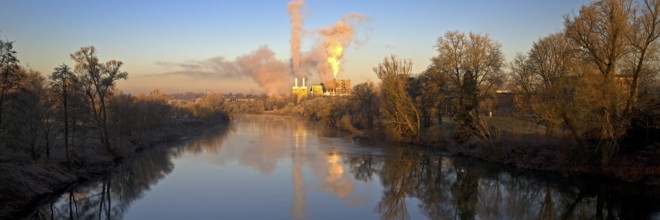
284 168
298 207
111 195
464 189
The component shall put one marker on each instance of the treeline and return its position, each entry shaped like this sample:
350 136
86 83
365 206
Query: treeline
79 107
593 83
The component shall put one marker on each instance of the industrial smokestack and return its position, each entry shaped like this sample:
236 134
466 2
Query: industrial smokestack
295 82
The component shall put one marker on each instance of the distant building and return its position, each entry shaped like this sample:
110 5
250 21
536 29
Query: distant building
342 86
317 89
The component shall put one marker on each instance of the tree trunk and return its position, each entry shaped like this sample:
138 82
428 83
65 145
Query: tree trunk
67 151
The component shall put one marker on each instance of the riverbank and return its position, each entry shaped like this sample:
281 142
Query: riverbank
527 147
569 159
556 155
26 182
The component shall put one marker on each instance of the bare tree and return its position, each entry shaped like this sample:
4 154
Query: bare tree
98 80
28 112
62 79
433 85
209 106
471 64
618 40
523 77
9 76
134 116
365 104
547 78
399 112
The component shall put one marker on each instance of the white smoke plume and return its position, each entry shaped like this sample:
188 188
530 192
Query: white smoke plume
260 65
273 75
296 16
336 38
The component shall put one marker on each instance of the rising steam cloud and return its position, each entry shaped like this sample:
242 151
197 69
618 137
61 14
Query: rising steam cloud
260 65
273 75
337 37
295 13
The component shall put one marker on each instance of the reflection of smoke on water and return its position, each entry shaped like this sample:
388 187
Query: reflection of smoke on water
300 138
257 141
300 144
335 180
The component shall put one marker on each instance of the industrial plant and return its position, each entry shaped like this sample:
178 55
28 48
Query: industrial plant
338 87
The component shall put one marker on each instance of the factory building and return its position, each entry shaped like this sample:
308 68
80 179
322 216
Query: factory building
299 91
341 87
317 89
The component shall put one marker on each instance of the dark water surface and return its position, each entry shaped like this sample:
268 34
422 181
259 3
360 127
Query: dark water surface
277 167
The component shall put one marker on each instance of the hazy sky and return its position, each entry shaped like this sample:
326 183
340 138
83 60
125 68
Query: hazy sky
150 36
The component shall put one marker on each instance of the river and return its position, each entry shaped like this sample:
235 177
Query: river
279 167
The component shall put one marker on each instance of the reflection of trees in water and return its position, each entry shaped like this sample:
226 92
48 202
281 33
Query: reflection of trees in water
433 181
363 168
460 189
398 176
93 202
208 142
464 192
111 195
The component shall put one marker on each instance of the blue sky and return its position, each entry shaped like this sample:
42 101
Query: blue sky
144 33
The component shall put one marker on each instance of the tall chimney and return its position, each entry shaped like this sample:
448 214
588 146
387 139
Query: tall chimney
296 82
303 81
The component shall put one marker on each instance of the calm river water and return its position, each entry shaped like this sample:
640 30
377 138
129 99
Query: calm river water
277 167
